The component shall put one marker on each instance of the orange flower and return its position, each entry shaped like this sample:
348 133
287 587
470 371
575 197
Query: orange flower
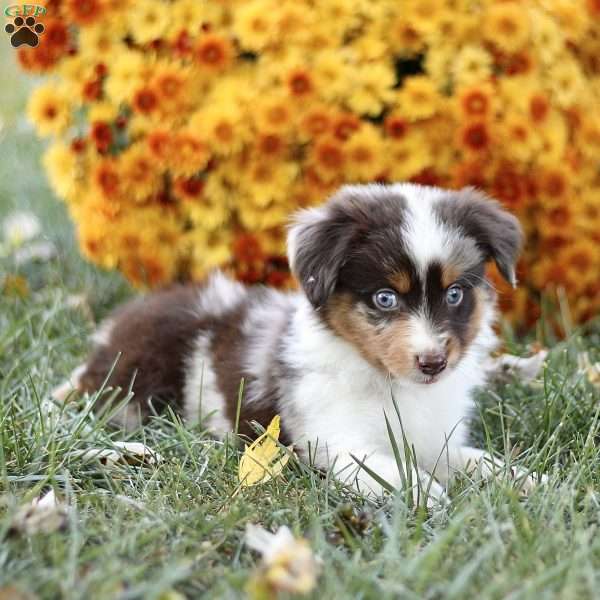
101 135
84 12
107 179
213 52
317 121
160 145
395 126
190 188
145 101
300 83
328 158
345 125
476 101
271 145
475 137
539 107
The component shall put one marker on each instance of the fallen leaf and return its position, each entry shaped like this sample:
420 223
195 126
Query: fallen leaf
41 515
264 458
527 368
288 563
124 453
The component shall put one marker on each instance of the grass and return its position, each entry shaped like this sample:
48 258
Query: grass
143 532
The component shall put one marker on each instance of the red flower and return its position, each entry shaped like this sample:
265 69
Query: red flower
102 136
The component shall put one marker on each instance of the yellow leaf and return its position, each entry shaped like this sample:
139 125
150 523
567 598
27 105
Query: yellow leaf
264 458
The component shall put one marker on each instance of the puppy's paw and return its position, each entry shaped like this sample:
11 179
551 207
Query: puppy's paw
429 491
527 481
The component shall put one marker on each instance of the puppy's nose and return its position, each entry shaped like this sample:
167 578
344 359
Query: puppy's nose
431 363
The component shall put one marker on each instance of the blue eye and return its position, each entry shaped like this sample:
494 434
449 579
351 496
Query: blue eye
454 295
385 299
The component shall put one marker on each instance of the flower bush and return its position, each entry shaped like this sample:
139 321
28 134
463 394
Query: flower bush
185 132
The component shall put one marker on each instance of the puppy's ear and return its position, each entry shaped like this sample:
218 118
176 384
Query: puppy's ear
496 232
317 245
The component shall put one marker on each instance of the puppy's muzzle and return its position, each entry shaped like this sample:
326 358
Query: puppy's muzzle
432 363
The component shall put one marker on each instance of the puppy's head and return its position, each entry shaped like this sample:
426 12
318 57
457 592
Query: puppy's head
398 271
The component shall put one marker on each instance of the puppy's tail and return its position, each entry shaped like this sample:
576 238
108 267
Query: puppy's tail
73 384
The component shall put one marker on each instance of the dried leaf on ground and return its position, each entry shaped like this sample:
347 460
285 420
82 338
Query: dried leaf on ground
526 368
264 458
124 453
42 515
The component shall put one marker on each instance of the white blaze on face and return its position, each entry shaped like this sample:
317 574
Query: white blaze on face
423 339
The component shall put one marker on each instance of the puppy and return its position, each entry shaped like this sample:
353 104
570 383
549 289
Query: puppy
394 303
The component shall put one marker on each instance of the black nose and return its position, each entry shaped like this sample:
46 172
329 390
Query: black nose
431 364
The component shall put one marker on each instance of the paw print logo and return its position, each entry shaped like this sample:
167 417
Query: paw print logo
24 31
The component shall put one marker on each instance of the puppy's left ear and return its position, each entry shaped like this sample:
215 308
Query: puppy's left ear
317 246
496 232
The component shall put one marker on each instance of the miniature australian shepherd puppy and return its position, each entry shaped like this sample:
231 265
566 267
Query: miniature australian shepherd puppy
393 301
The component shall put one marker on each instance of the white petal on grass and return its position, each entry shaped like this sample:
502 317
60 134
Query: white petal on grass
42 251
41 515
288 563
122 453
20 227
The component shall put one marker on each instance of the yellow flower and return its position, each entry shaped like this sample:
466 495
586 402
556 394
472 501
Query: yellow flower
507 26
333 74
566 81
438 63
408 156
571 16
102 111
208 250
254 25
365 151
99 42
472 64
126 74
64 170
418 98
49 110
517 134
372 88
187 15
267 182
190 154
140 175
548 38
403 36
221 126
554 135
148 20
589 136
274 113
425 15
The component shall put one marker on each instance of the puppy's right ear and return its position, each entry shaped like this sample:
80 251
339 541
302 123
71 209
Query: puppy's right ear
317 245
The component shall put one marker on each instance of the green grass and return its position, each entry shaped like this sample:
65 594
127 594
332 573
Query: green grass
140 532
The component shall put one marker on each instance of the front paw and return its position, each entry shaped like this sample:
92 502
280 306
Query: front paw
525 480
426 491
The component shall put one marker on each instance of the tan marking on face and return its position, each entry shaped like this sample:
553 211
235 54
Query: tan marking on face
401 281
457 348
385 348
450 273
